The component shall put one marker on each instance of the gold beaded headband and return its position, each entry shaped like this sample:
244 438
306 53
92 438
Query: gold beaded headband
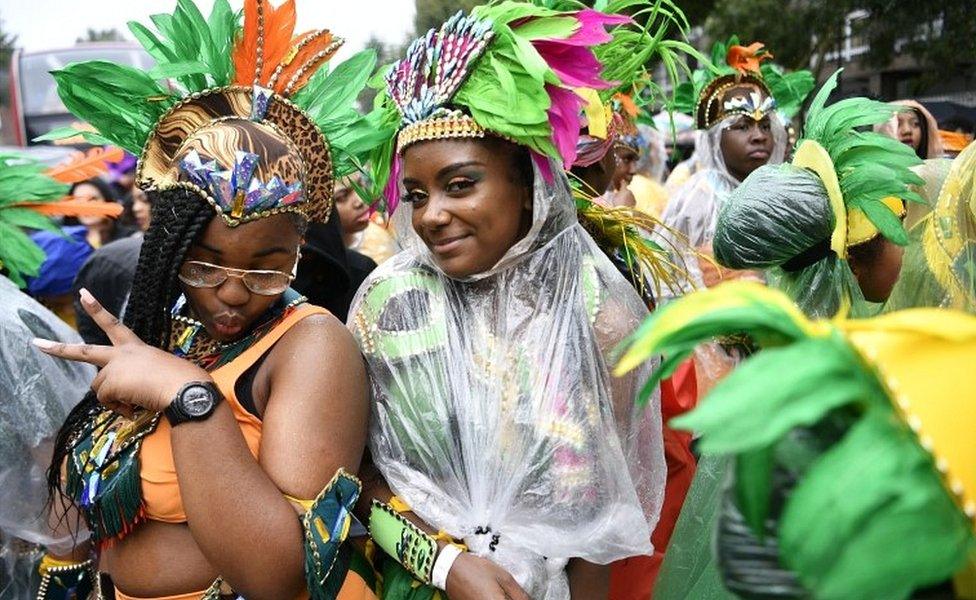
454 124
709 110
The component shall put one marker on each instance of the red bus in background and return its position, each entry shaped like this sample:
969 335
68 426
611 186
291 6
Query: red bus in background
35 107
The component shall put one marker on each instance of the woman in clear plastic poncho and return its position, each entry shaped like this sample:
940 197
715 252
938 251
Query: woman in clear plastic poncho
495 418
916 128
743 133
780 218
36 393
939 268
496 422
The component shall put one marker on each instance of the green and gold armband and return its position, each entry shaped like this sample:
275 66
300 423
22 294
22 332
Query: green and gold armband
403 540
326 524
63 580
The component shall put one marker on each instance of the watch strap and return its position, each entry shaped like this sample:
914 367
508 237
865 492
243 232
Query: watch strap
176 413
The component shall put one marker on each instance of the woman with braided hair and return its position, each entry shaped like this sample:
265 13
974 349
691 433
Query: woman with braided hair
214 454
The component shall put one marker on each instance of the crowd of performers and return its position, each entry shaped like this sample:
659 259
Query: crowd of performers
567 378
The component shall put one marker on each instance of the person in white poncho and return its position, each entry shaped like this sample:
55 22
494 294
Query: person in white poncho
508 461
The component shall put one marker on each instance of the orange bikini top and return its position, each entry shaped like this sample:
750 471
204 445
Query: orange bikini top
160 489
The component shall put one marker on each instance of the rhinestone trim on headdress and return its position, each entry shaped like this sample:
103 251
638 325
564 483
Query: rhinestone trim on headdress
422 84
236 190
754 105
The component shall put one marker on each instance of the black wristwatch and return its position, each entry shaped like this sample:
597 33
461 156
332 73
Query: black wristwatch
194 402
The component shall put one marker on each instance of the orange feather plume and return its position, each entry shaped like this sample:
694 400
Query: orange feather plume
746 59
75 207
305 59
82 166
245 53
627 104
278 26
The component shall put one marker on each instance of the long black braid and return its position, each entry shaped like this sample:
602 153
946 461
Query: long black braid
179 217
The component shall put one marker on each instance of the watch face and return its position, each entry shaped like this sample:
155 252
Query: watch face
197 401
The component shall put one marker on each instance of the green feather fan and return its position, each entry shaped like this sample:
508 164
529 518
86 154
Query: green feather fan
195 54
23 180
122 103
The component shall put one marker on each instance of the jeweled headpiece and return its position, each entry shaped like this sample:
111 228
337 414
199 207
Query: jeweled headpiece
742 81
250 120
508 69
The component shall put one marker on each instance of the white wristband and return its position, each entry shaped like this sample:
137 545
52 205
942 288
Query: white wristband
442 566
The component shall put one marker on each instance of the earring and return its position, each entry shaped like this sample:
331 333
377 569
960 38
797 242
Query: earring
178 305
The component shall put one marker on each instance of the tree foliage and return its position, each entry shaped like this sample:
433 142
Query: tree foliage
431 13
101 35
940 34
8 42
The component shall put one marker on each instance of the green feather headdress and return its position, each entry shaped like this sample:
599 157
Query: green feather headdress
656 34
731 63
867 176
888 507
222 71
509 69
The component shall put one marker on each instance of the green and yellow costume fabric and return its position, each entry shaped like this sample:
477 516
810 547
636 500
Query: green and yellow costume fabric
877 454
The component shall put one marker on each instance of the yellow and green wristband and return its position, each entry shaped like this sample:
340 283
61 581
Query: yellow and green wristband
403 540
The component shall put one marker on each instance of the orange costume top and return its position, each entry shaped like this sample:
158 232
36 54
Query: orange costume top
160 490
159 483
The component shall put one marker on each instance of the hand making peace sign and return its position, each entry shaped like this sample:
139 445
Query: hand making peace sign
132 373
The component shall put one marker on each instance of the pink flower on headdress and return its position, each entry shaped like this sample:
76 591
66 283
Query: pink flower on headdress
573 61
572 58
392 190
565 122
542 163
576 66
593 24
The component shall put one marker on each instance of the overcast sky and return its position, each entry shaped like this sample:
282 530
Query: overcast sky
42 24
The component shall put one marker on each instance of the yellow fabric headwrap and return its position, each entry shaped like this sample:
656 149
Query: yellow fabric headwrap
924 357
851 227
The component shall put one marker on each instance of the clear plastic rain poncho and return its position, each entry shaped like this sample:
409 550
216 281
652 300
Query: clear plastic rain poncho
692 211
494 414
939 266
781 212
36 393
776 214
